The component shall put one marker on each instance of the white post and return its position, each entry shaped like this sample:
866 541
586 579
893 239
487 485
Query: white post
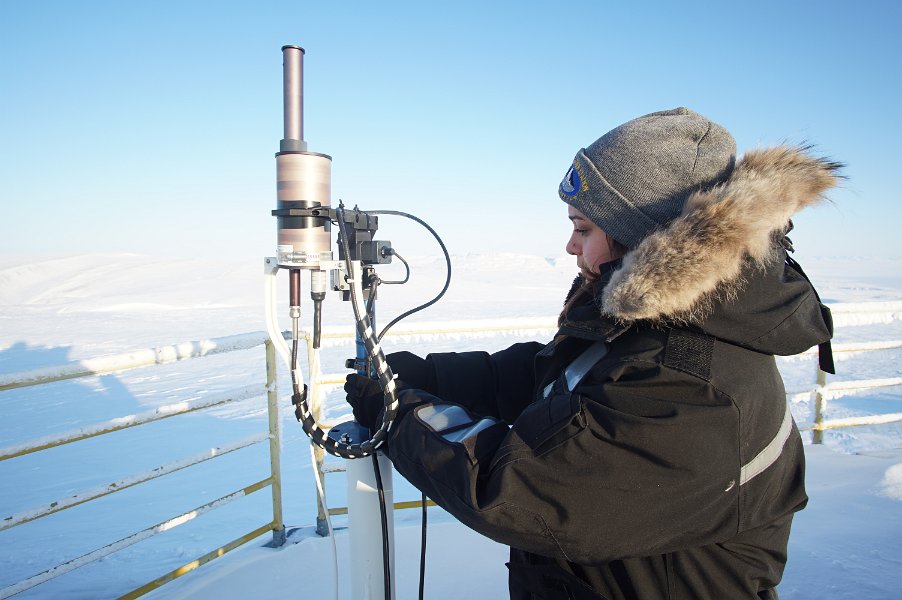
820 407
365 528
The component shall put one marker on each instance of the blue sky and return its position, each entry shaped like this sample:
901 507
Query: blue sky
150 127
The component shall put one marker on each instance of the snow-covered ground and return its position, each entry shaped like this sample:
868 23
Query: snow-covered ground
57 310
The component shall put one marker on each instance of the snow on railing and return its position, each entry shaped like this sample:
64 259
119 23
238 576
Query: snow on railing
132 360
464 329
848 314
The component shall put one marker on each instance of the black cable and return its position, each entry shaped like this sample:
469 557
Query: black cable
294 365
371 301
438 297
423 551
317 322
386 563
406 273
342 235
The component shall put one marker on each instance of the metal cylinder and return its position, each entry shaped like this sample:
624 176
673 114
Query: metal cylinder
303 180
293 92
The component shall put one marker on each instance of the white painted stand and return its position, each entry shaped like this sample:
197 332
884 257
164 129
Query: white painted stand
365 528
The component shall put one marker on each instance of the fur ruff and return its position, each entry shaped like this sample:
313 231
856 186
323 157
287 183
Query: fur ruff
678 273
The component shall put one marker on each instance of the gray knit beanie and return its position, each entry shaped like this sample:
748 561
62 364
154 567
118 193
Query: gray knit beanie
637 177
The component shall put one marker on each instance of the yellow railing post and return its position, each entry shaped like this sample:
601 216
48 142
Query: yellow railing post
275 445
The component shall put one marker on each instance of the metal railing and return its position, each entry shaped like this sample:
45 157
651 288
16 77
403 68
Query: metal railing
822 391
144 358
826 389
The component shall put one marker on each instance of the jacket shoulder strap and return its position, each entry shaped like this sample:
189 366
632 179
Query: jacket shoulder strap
581 365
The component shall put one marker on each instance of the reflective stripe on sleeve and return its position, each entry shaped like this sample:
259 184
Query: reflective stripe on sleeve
440 417
771 452
459 435
580 367
452 422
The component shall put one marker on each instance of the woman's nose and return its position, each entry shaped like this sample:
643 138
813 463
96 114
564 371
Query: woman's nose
572 247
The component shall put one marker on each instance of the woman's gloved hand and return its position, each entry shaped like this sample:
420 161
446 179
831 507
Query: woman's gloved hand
366 399
414 371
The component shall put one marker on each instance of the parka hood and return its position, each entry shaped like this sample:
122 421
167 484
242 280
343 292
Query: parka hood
722 266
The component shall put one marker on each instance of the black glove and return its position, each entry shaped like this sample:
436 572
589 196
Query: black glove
414 371
366 398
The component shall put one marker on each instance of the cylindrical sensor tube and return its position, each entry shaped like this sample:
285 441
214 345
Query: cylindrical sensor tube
293 92
304 181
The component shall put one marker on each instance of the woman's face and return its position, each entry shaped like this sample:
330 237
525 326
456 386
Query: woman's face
589 244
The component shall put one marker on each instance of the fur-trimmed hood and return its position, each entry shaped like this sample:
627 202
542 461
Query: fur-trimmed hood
721 265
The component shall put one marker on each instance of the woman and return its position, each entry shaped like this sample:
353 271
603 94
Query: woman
648 450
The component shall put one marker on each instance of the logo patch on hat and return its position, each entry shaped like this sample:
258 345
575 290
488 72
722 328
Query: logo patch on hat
571 183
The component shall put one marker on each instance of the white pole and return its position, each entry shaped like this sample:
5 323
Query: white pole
365 528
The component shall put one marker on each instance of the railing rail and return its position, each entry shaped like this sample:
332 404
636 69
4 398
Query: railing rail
120 423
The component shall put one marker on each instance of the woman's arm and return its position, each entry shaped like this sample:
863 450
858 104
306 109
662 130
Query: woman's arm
498 385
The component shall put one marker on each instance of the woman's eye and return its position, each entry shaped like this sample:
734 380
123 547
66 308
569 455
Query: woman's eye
581 231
